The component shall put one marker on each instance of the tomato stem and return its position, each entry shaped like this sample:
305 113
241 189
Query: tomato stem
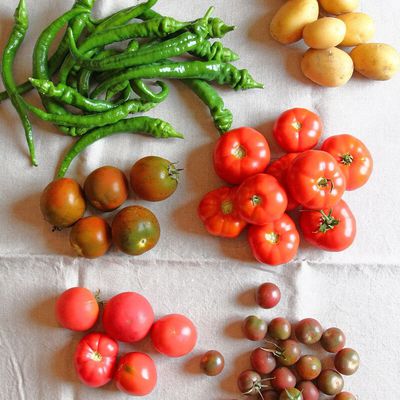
346 159
272 237
173 172
239 152
227 207
324 182
328 222
256 200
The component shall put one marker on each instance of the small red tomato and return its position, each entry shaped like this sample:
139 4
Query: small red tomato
331 230
219 214
315 180
283 378
239 154
128 317
354 159
136 374
260 199
274 243
297 130
77 309
278 169
174 335
268 295
95 359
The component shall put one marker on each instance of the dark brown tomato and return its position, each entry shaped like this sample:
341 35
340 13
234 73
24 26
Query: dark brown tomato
283 378
106 188
347 361
291 394
308 331
268 295
154 178
288 352
345 396
309 367
249 382
90 237
270 395
62 202
280 328
333 340
212 363
262 361
330 382
135 230
308 390
254 328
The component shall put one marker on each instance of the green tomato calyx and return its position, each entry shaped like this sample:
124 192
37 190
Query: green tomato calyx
324 182
173 172
256 200
346 159
328 222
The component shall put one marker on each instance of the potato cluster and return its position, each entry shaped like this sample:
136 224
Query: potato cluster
335 24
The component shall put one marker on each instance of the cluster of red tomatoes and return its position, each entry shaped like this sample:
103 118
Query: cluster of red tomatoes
134 229
127 317
307 180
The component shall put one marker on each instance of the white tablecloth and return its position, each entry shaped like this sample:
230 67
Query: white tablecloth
190 272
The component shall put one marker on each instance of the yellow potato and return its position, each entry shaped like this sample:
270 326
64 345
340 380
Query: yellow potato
360 28
288 23
324 33
330 67
376 60
337 7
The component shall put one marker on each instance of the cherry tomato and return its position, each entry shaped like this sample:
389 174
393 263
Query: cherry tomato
106 188
331 230
308 390
278 169
347 361
315 180
330 382
309 367
77 309
254 328
280 328
297 130
128 317
270 395
283 378
219 213
95 359
333 340
308 331
135 230
288 352
62 202
90 237
240 153
249 383
276 242
136 374
174 335
291 394
345 396
268 295
262 361
212 363
261 199
354 159
154 178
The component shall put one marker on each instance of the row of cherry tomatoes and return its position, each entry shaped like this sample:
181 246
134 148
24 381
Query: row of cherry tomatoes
310 181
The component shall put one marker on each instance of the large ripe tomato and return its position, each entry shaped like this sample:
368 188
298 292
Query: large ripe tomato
297 130
62 202
136 374
239 154
315 180
128 317
354 159
174 335
278 169
77 309
95 359
218 212
331 230
261 199
274 243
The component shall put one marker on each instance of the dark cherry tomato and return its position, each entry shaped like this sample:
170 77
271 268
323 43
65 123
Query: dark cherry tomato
219 213
345 396
262 361
330 382
347 361
254 328
90 237
270 395
212 363
291 394
154 178
268 295
135 230
288 352
280 328
308 390
62 202
106 188
240 153
309 367
308 331
249 382
297 130
333 340
283 378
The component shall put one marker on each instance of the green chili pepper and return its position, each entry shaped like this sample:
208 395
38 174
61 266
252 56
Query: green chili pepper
111 92
14 42
214 52
140 88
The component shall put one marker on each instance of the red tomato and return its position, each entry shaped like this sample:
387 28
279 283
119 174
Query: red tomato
174 335
297 130
136 374
128 317
95 359
331 230
77 309
278 169
261 199
315 180
276 242
354 159
218 212
239 154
